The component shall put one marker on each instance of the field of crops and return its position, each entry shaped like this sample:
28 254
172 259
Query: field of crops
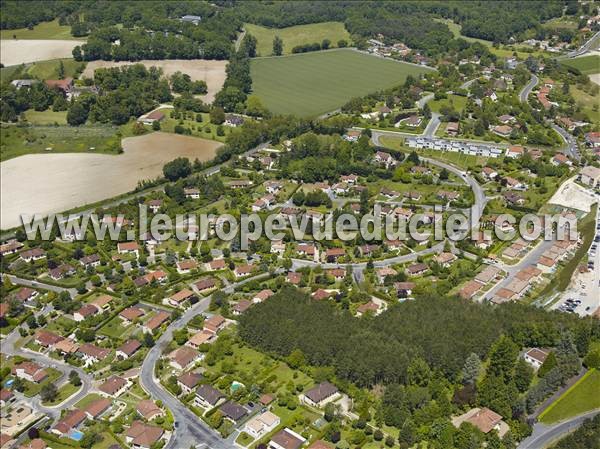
296 35
585 64
311 84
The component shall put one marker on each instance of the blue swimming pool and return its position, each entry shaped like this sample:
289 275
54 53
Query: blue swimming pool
76 435
9 382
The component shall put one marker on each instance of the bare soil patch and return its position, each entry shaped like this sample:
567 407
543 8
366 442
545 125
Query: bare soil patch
213 72
19 51
51 183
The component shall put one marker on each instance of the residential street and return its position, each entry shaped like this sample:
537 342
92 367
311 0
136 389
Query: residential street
524 94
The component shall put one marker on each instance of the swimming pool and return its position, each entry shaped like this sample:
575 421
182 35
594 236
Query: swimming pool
75 435
9 382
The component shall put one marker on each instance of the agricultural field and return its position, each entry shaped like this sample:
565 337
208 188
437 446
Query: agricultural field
311 84
213 72
23 51
44 30
48 117
588 103
578 399
42 69
585 64
296 35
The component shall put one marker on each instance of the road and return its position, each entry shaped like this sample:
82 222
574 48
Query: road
570 149
524 94
543 435
587 46
432 126
35 284
189 428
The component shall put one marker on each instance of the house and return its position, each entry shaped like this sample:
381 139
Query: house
128 248
536 357
207 396
10 247
66 346
92 354
332 254
71 420
452 129
61 271
404 289
488 274
306 249
262 295
86 311
320 395
143 436
243 270
189 381
156 321
448 196
205 285
529 274
590 176
200 338
383 158
506 119
240 307
384 272
19 84
214 324
130 314
561 159
273 187
92 260
25 294
277 247
417 269
413 121
29 371
216 265
150 118
293 278
489 173
182 358
179 298
233 411
484 419
470 289
371 306
186 266
155 205
97 408
192 193
33 254
445 259
502 130
6 397
513 198
191 19
286 439
263 203
65 85
233 120
239 183
320 294
128 348
262 424
46 338
515 151
593 139
349 179
148 409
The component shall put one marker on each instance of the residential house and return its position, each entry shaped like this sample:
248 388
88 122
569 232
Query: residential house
286 439
150 118
128 348
489 173
46 338
484 419
470 289
92 260
536 357
502 130
590 176
215 324
128 248
114 386
243 270
561 159
262 295
30 371
186 266
189 381
180 298
156 321
183 357
207 396
320 395
61 271
240 307
233 411
452 129
386 159
417 269
216 265
91 354
72 420
332 254
86 311
192 193
404 289
205 285
130 314
233 120
143 436
33 254
445 259
370 306
148 409
200 338
593 139
262 424
97 408
515 151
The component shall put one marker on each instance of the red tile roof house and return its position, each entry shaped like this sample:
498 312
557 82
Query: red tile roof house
417 269
337 273
320 294
371 306
183 357
332 254
92 354
128 348
286 439
306 249
186 266
179 299
200 338
26 294
64 85
86 311
71 421
243 270
319 395
90 261
484 419
241 306
6 396
128 248
30 371
215 265
130 314
143 436
61 271
149 410
293 277
404 289
205 285
149 119
262 295
189 381
114 386
46 338
214 324
156 321
98 408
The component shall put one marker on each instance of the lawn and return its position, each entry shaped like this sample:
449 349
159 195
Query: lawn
115 329
296 35
203 129
580 398
585 64
43 30
16 141
311 84
244 439
42 69
64 393
456 101
588 103
48 117
86 401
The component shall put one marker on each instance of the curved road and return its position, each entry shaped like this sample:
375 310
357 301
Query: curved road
543 435
524 94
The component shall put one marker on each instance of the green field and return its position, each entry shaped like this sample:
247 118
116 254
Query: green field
44 30
589 103
296 35
16 141
456 101
42 70
580 398
311 84
48 117
585 64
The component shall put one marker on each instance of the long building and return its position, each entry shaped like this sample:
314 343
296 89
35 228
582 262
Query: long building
470 148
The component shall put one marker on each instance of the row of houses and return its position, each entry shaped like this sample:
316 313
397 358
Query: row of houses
469 148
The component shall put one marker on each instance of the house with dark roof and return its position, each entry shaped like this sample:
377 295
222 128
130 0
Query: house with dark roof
207 396
143 436
320 394
233 411
286 439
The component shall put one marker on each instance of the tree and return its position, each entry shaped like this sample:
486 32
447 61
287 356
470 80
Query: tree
148 340
178 168
342 43
77 114
277 46
548 365
503 356
523 375
217 116
248 46
471 369
156 125
444 174
74 378
48 392
61 70
325 44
